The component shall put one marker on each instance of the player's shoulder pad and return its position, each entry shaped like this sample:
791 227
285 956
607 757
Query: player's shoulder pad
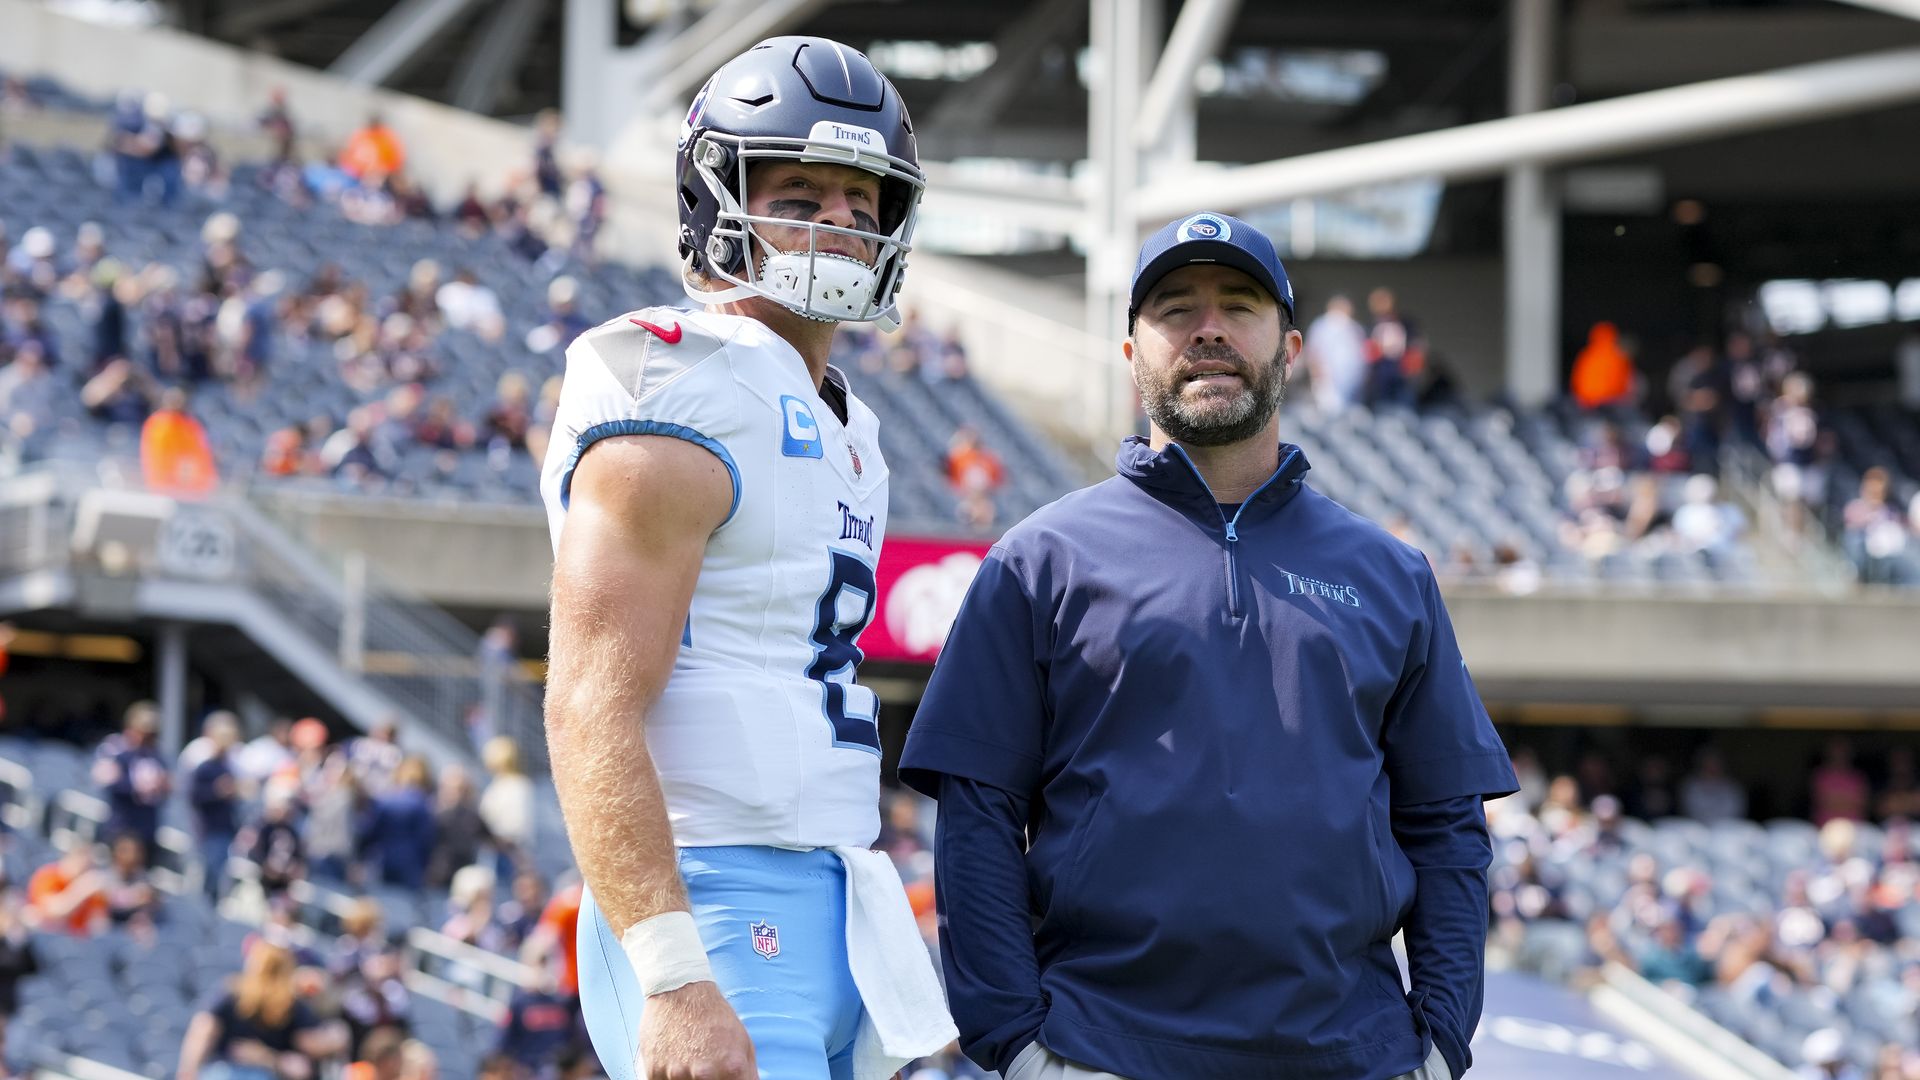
660 365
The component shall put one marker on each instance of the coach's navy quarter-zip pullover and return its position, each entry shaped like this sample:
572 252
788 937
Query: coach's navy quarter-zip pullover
1210 716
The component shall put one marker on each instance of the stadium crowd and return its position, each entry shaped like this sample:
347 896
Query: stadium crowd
362 818
1802 936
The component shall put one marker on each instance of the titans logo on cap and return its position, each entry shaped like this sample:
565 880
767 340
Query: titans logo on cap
1204 227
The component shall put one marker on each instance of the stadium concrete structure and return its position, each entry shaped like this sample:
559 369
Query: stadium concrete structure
1545 166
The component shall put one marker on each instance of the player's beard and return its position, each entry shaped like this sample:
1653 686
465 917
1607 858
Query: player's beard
1210 417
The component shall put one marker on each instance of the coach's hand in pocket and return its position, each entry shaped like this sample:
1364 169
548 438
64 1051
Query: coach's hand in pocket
693 1034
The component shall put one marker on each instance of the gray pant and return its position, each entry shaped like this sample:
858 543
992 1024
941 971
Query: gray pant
1037 1062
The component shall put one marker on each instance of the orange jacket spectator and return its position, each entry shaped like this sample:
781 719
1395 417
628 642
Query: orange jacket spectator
972 467
1602 373
561 921
374 149
174 455
69 894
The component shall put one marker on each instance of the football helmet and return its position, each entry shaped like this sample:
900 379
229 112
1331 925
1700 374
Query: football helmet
799 99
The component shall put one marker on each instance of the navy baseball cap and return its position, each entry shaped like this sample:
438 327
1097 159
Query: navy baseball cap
1210 238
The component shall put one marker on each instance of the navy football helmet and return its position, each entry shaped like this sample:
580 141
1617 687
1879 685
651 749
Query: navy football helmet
798 99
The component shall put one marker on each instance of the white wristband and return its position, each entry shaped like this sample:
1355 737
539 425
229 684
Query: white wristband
666 953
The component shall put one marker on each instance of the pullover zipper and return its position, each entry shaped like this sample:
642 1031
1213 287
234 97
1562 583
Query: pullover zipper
1232 524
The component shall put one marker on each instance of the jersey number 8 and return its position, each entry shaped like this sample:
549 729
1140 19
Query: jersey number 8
843 611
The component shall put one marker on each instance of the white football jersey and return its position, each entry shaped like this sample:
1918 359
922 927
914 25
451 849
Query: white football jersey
762 736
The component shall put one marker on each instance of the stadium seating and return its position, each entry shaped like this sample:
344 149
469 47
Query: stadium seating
116 1000
1748 865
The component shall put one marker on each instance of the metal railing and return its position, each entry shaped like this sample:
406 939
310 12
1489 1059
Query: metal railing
471 979
1809 542
403 649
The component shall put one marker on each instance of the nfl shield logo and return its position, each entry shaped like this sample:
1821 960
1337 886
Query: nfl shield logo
766 939
855 454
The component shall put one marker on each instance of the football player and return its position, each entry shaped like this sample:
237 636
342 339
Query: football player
717 499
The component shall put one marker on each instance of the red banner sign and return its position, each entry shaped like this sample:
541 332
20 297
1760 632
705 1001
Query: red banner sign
922 583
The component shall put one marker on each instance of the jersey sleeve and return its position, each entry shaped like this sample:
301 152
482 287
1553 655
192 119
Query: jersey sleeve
654 372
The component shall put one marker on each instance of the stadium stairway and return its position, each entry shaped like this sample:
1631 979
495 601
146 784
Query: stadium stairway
68 541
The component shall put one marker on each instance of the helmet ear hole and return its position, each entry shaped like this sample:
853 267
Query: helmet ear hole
720 253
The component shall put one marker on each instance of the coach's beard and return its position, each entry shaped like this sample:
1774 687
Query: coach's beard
1208 417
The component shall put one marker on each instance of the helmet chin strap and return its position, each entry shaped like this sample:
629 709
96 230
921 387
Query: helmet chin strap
825 287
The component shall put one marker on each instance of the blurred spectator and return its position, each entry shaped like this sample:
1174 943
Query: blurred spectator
375 998
145 157
28 392
470 918
131 899
333 802
1746 384
459 831
542 1026
382 1057
1395 352
69 893
1603 374
1337 356
546 160
507 804
1708 794
121 394
276 122
511 415
520 915
1666 453
375 757
200 167
1875 535
258 1029
564 321
133 777
213 794
1670 957
175 457
274 844
373 152
1703 521
468 305
971 467
1825 1057
1650 794
23 323
1900 792
361 935
18 960
399 835
1837 787
266 754
554 942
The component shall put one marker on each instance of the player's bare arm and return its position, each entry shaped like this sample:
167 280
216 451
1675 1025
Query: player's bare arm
642 510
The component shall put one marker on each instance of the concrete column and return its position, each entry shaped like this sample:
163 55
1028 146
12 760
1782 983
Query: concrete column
587 52
171 660
1532 218
1118 39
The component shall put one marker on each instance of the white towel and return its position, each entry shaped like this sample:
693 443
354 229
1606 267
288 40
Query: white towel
906 1011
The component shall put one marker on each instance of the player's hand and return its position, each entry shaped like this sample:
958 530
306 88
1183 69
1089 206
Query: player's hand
692 1034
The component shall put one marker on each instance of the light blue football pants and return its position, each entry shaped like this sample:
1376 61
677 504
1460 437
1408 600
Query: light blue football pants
774 922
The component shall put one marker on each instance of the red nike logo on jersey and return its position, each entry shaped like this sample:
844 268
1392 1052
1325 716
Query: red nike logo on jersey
671 337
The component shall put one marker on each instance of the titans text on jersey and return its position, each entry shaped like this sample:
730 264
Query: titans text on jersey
761 736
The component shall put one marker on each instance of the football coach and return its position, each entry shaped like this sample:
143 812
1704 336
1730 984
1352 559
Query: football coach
1203 742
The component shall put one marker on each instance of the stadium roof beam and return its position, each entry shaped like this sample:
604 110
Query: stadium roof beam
499 51
242 21
391 44
719 36
1197 34
1578 132
980 100
1906 9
